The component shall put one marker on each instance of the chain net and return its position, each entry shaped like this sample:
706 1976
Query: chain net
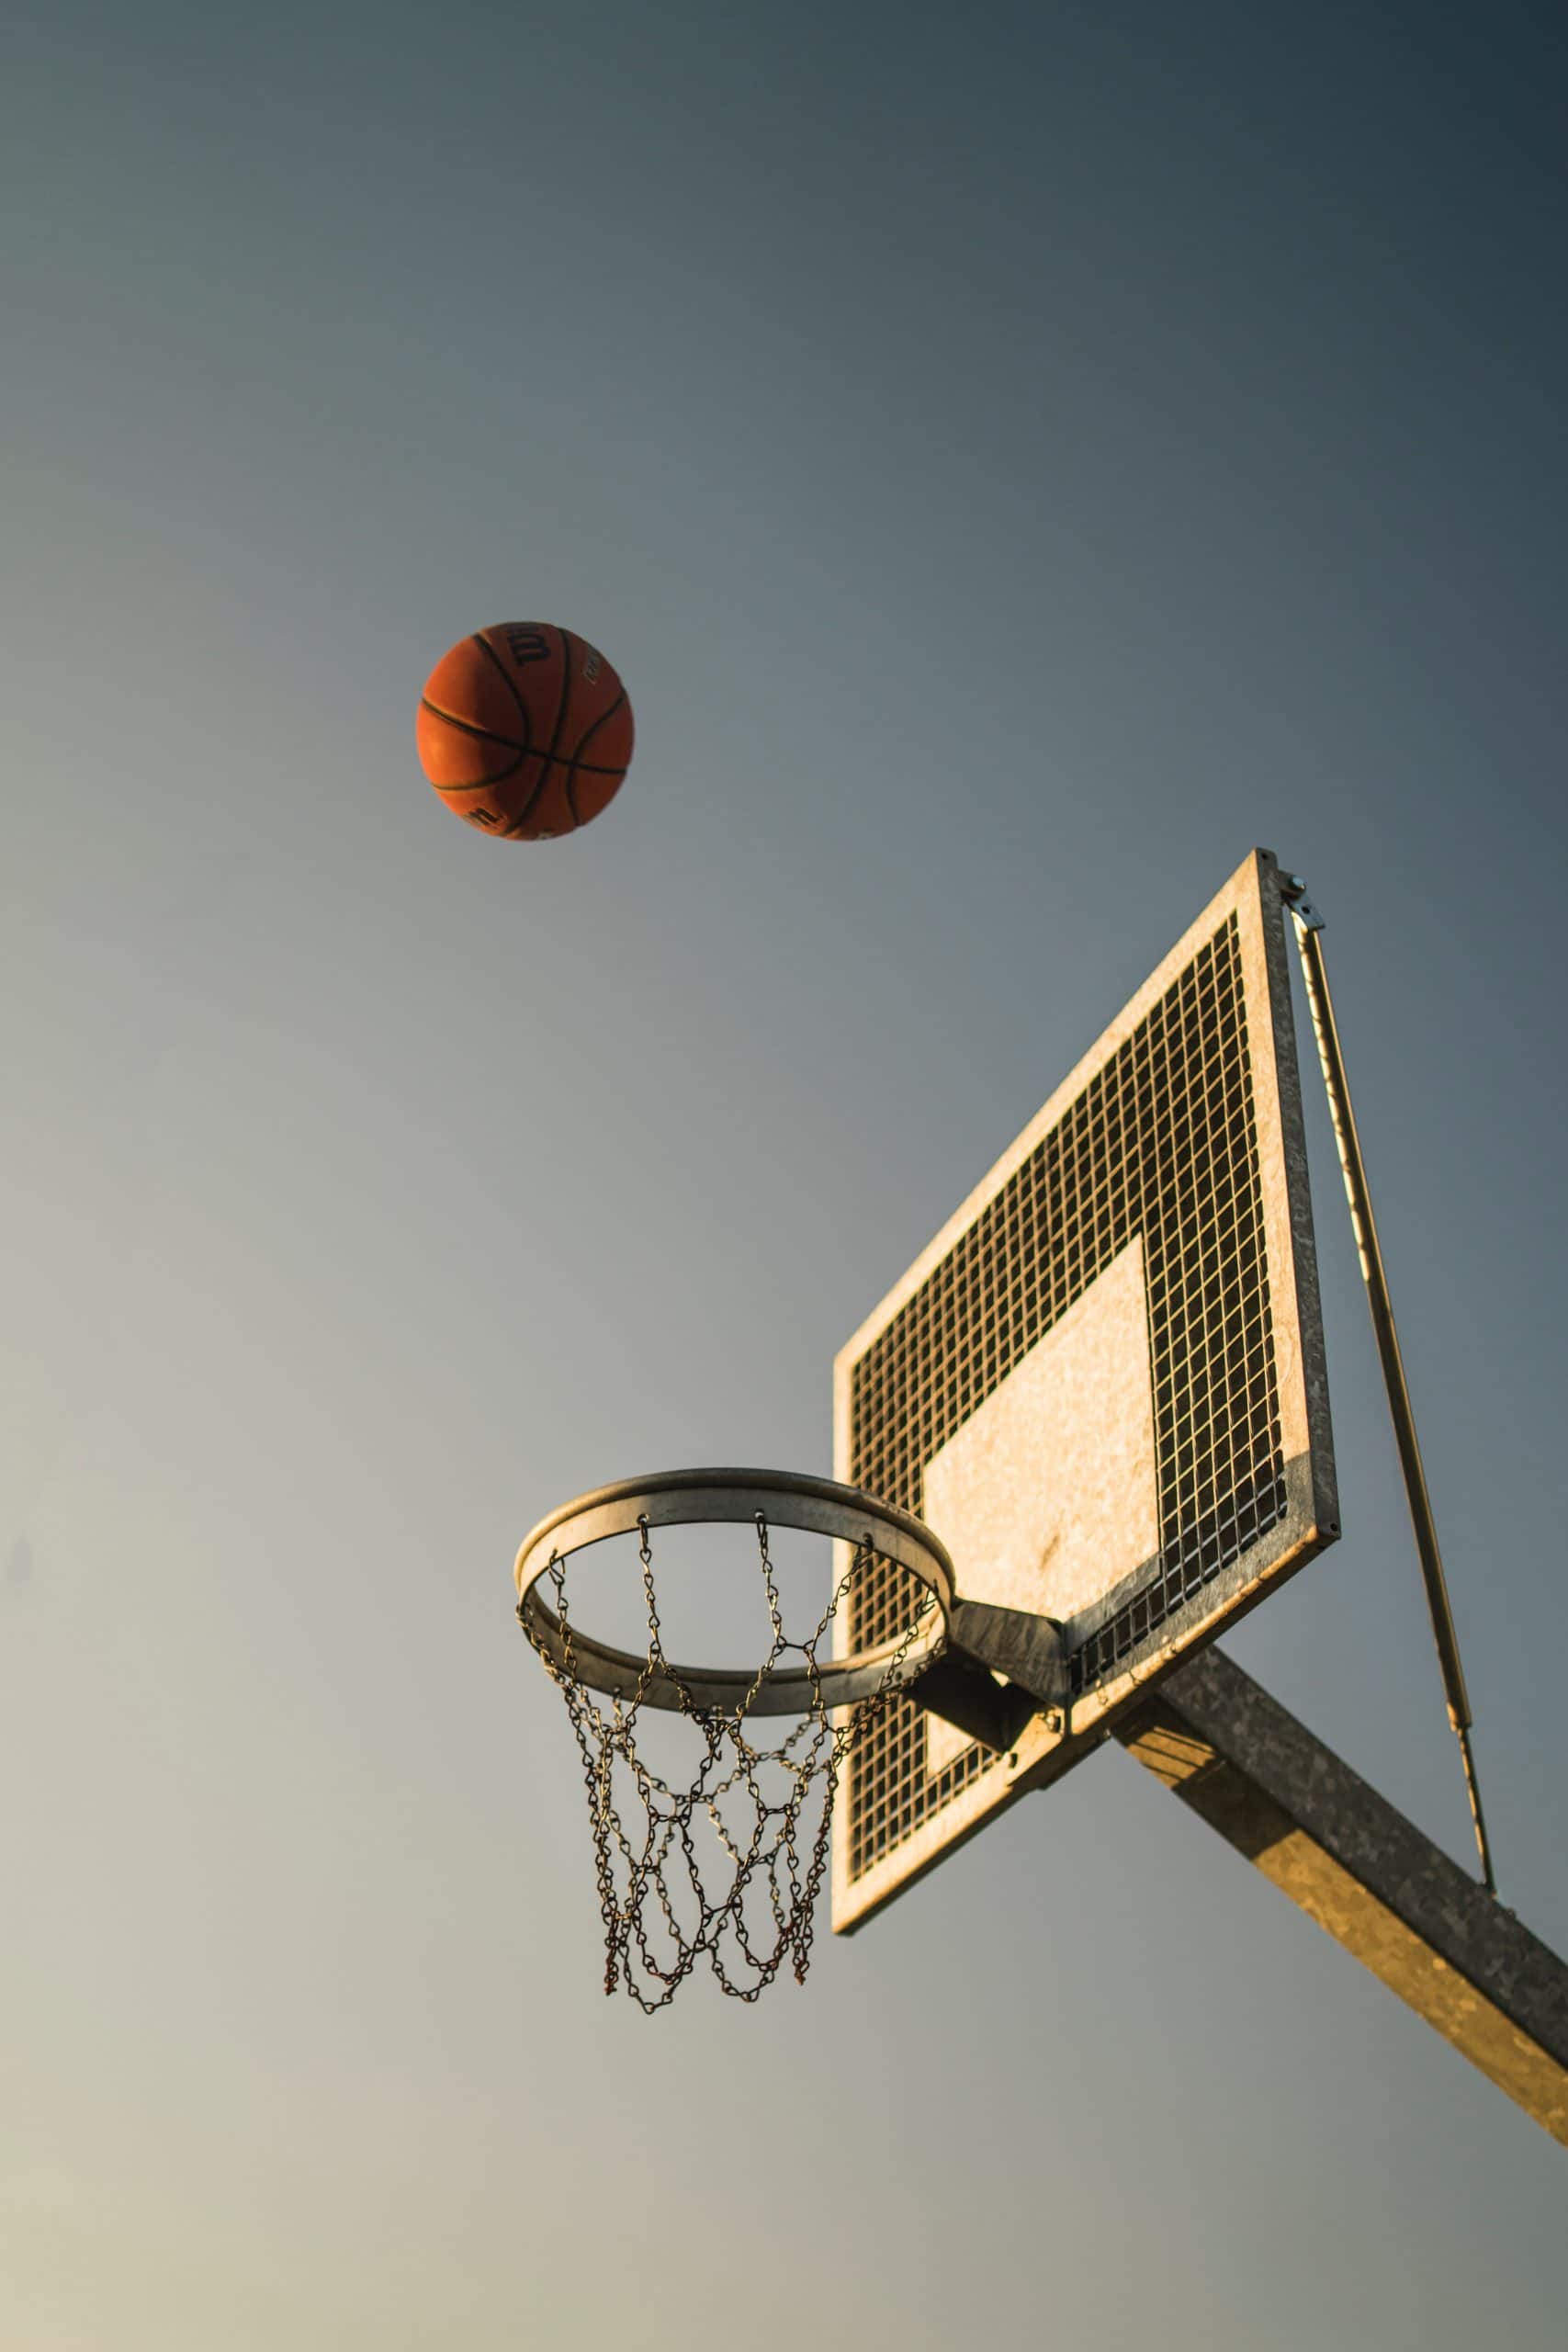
758 1812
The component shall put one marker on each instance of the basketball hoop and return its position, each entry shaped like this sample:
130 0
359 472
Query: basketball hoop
658 1918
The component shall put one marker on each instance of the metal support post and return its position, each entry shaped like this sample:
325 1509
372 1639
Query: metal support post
1309 927
1371 1879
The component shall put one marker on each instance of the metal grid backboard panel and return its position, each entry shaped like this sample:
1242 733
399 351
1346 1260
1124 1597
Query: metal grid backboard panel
1103 1383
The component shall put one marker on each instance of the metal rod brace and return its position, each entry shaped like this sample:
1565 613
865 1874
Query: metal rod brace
1309 928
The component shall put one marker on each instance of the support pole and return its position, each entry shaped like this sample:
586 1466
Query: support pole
1309 928
1369 1878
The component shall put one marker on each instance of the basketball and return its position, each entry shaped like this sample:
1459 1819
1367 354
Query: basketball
524 730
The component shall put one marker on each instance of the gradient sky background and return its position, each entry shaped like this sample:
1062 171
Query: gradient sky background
1018 459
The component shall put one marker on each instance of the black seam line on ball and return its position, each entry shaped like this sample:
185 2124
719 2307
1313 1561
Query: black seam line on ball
484 735
517 830
510 682
593 728
483 783
567 641
580 766
550 758
467 727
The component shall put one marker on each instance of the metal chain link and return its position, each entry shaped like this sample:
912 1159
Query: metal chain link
643 1882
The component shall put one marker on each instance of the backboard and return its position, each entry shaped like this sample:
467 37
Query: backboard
1103 1385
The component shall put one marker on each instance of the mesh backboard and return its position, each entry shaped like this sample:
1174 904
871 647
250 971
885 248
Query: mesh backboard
1102 1384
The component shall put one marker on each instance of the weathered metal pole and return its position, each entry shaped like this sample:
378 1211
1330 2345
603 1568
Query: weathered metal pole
1309 928
1451 1951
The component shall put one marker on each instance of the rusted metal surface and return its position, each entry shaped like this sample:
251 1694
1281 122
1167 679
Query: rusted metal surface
1102 1386
751 1499
1357 1866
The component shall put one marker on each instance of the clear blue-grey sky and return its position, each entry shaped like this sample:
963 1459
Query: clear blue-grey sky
1018 458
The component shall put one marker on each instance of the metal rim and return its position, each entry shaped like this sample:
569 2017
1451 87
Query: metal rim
785 1499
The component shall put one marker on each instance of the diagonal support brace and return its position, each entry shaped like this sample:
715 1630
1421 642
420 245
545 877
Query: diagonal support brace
1368 1877
1309 928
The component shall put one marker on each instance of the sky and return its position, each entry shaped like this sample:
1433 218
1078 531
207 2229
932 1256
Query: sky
1018 458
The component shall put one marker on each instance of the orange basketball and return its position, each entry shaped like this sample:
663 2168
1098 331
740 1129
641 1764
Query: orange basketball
524 730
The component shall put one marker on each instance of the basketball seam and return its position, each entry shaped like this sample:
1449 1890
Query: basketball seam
579 765
489 735
499 775
593 728
567 642
483 783
468 726
550 758
510 682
